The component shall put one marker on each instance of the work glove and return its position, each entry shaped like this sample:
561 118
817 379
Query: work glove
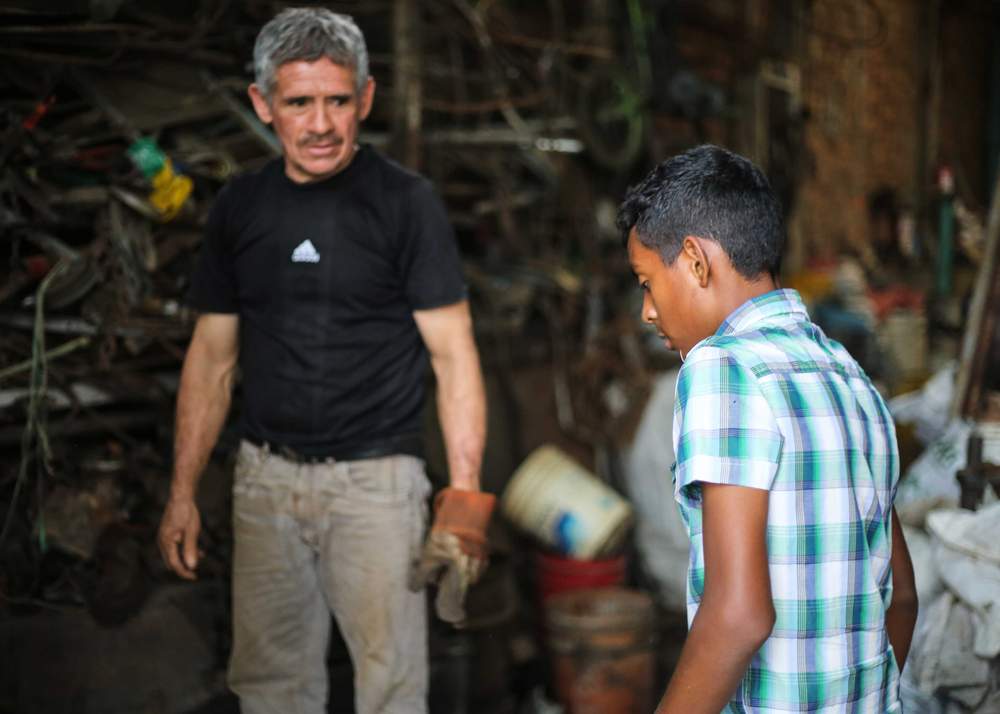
455 553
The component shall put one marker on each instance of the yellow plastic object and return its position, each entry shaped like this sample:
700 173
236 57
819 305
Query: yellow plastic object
170 191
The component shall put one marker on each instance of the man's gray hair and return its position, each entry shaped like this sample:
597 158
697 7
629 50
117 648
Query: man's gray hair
308 34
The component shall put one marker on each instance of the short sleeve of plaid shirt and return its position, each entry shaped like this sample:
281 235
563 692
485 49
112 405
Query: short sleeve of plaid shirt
724 430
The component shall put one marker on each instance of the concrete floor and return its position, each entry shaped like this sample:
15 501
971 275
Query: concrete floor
170 659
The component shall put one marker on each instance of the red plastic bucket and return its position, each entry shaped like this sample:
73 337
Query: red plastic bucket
557 574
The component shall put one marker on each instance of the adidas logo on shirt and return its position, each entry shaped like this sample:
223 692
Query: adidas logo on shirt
305 252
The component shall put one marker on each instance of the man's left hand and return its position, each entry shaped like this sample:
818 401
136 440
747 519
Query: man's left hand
455 554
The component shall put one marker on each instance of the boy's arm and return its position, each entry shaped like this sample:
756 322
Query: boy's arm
736 613
901 617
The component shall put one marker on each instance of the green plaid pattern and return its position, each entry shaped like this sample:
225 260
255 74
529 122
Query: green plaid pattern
770 402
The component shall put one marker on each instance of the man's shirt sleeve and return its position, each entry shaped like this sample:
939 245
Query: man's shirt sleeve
724 429
213 285
428 258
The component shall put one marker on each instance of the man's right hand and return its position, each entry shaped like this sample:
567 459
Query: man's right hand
178 537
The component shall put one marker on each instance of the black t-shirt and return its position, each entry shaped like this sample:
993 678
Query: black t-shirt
325 277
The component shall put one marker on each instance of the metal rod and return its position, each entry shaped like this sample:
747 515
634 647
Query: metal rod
246 117
63 349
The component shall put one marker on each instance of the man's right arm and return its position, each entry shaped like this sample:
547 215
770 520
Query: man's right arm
202 405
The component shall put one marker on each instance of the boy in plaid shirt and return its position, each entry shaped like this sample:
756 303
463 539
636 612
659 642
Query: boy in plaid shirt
801 594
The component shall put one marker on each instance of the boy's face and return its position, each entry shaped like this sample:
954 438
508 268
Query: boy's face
316 111
670 301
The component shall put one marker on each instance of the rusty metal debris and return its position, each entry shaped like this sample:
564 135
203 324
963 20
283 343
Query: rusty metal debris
112 147
118 126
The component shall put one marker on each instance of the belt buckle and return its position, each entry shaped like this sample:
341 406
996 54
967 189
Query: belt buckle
292 455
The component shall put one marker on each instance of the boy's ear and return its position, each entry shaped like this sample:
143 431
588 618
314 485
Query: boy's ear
696 259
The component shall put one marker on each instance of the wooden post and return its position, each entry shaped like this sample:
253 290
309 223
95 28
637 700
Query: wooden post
981 322
407 114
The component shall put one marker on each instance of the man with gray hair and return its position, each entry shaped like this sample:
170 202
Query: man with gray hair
329 276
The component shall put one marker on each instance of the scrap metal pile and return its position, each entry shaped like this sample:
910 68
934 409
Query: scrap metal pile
119 124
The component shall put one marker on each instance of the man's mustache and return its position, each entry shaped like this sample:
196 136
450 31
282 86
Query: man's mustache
311 139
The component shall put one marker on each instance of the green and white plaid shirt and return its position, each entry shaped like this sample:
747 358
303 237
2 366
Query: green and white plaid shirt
770 402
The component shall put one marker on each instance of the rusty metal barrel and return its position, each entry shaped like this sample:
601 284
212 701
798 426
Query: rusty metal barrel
602 649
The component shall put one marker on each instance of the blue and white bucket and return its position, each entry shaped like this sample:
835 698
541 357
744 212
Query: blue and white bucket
566 506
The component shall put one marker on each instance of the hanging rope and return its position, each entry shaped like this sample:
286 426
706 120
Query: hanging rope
35 438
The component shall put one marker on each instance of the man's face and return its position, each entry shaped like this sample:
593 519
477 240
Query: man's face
669 297
316 111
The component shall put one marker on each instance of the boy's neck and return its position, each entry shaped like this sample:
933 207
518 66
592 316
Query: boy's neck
734 290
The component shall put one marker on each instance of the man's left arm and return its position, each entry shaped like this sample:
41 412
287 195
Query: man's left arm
901 617
461 397
736 613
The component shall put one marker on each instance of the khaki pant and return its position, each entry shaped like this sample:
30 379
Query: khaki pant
311 539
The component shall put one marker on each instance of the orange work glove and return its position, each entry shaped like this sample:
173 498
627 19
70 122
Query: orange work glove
455 553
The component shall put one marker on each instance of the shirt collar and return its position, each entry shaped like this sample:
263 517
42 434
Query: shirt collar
764 308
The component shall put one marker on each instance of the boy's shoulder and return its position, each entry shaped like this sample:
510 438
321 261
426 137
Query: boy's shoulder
744 351
798 345
721 365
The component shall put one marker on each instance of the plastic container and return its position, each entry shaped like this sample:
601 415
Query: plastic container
601 646
565 506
